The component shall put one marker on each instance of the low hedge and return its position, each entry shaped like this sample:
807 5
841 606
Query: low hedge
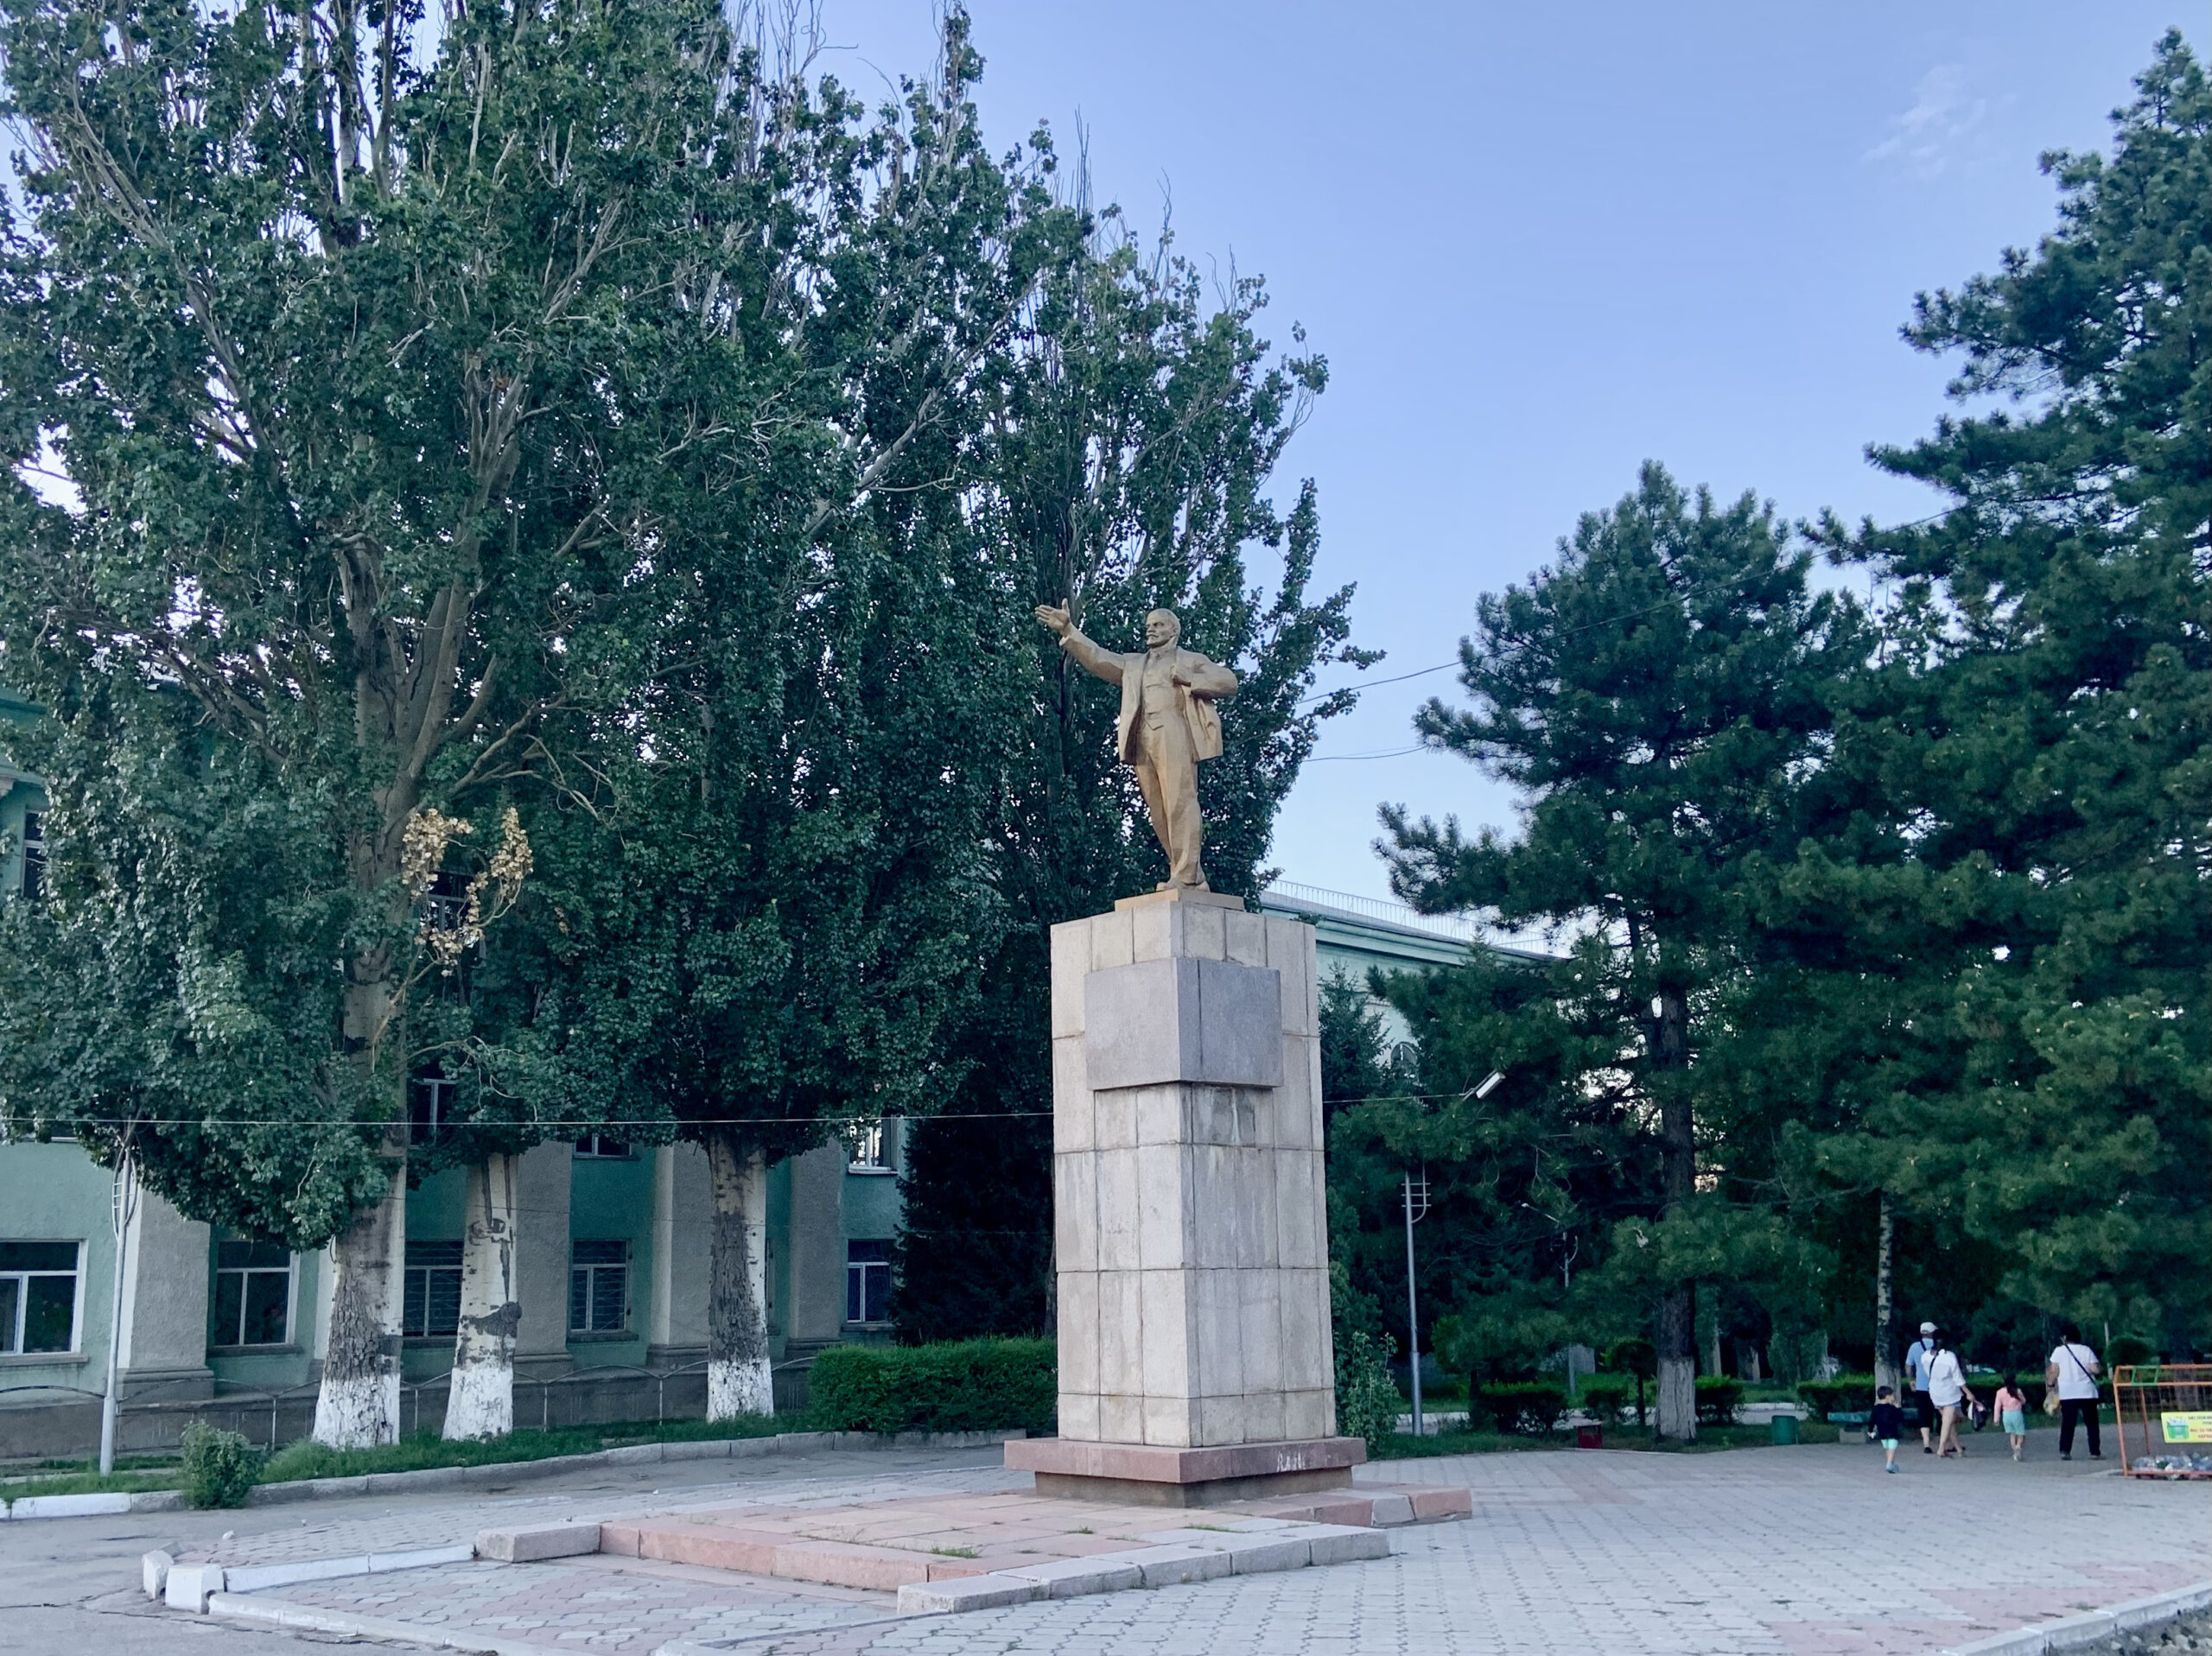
1530 1408
990 1385
1609 1398
1717 1400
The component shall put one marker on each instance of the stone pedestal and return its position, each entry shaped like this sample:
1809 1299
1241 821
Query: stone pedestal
1192 1231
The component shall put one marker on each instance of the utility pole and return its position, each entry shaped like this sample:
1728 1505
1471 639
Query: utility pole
1416 1210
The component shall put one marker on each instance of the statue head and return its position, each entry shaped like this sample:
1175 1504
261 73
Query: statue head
1161 629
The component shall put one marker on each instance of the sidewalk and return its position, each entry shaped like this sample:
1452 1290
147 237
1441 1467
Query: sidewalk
1757 1552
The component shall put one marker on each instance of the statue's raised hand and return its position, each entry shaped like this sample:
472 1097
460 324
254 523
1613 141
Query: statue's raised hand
1055 616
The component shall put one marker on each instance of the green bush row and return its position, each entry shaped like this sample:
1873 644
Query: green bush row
990 1385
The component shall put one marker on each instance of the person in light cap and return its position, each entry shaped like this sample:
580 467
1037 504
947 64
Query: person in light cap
1917 1357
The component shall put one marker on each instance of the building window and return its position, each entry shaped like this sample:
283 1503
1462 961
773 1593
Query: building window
598 1287
444 907
867 1282
253 1294
429 1108
34 853
865 1150
38 1296
598 1147
431 1307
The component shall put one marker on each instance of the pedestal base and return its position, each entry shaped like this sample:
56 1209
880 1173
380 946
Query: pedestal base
1147 1475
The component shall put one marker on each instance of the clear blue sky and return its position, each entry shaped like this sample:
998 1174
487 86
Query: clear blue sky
1539 244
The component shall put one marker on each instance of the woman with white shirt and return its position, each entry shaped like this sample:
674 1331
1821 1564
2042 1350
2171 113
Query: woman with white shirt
1947 1389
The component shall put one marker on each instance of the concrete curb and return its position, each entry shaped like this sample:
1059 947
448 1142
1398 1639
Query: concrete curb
29 1507
275 1613
1174 1556
2071 1633
192 1587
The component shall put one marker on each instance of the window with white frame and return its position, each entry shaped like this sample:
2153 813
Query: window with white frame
867 1281
430 1298
866 1149
38 1297
598 1147
33 881
598 1287
429 1108
253 1294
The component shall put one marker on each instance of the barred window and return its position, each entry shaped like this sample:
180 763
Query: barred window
432 1303
598 1287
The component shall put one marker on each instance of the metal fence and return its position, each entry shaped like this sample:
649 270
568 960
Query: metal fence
597 1394
2163 1412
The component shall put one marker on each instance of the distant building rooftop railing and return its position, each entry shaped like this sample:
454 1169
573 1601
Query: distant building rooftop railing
1454 926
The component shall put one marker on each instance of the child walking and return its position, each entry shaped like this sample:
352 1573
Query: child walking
2012 1405
1887 1424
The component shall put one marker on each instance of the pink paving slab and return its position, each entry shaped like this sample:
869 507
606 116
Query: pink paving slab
886 1544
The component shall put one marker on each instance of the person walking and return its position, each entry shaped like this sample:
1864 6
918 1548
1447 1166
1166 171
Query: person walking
1916 1369
1887 1425
1947 1390
2012 1405
2073 1369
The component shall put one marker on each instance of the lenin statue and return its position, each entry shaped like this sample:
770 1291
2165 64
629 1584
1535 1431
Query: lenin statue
1168 724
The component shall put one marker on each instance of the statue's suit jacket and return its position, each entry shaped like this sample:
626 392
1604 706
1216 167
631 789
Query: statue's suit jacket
1194 699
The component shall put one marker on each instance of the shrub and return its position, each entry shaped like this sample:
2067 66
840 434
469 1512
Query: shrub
987 1384
1844 1394
1717 1400
1367 1398
1639 1359
2130 1350
1529 1407
219 1466
1609 1397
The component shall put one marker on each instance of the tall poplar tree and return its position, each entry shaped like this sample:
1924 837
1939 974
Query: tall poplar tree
1126 464
365 339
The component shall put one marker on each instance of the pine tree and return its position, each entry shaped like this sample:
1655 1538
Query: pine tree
2038 739
1652 693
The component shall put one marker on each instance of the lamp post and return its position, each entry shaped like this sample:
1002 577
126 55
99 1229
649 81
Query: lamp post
1416 1199
1416 1193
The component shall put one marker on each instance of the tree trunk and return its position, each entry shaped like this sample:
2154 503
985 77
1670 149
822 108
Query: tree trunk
1676 1414
358 1403
481 1403
1674 1408
1886 1336
738 1380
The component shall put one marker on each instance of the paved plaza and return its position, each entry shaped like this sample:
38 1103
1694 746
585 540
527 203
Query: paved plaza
1806 1551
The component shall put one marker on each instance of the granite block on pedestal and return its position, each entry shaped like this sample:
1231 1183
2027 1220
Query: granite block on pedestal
1190 1217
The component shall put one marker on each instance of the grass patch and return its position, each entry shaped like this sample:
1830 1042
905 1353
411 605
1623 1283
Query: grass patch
86 1483
425 1450
1403 1446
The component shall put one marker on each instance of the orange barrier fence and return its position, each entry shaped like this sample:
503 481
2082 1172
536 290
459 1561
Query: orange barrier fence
2164 1414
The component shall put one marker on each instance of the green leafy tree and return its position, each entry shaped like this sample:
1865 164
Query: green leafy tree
1126 466
1652 693
334 342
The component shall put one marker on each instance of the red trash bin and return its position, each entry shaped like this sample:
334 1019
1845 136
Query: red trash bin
1589 1437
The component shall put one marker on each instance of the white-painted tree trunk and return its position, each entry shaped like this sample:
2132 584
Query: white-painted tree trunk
738 1379
358 1403
481 1401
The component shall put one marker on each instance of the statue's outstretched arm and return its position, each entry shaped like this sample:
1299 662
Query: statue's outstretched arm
1099 663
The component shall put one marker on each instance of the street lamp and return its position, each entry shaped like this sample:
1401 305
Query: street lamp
1416 1199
